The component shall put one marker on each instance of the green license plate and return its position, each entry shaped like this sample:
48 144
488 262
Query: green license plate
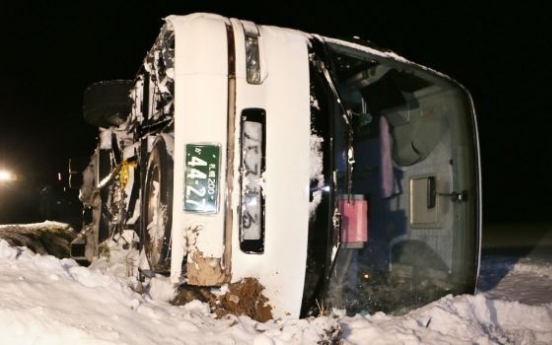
201 186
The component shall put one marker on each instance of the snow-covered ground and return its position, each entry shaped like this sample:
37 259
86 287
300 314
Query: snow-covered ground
46 300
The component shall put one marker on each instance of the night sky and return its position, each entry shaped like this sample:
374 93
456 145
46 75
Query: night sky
51 50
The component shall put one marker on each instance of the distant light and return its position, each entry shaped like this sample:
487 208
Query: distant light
59 177
6 176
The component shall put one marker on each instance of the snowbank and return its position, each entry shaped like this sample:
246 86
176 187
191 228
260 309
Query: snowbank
45 300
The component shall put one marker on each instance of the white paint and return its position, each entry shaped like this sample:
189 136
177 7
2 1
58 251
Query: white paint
200 117
201 69
281 268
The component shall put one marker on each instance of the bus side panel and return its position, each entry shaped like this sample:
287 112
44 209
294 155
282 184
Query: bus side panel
201 84
284 95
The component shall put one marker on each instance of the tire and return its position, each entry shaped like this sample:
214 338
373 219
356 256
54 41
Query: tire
157 209
107 103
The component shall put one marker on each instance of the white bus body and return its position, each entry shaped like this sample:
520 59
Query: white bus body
328 170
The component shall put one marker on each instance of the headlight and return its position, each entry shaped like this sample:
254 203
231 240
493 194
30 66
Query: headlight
6 176
252 60
252 53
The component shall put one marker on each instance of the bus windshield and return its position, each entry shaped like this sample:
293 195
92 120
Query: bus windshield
395 221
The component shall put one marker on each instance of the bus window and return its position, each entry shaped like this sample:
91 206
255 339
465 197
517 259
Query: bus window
402 148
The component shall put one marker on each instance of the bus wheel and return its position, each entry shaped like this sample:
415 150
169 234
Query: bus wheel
157 209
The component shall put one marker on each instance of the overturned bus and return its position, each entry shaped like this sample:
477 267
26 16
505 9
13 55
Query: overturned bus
333 173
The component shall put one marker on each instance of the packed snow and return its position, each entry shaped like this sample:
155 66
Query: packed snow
48 300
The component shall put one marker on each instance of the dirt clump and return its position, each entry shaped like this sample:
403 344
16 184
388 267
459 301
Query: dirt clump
205 271
241 298
47 238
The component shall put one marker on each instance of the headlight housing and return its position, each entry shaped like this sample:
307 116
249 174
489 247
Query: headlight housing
252 53
252 60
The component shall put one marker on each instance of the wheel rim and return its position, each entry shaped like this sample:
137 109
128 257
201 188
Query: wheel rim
156 218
